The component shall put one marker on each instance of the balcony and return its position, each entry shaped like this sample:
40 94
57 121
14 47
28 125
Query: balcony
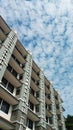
2 35
55 93
48 127
33 116
4 25
16 66
18 55
47 99
12 79
5 124
34 75
33 99
21 49
35 67
56 101
7 96
58 111
34 86
47 90
48 113
59 123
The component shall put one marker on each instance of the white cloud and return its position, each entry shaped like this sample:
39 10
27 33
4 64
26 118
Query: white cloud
46 29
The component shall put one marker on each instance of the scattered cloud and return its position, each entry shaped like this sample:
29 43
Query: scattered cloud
45 27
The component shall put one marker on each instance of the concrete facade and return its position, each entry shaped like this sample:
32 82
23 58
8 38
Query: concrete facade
28 100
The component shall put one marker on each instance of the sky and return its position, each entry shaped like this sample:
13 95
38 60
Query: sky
45 28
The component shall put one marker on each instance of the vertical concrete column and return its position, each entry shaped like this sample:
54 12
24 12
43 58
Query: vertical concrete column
55 123
24 94
42 113
6 51
61 110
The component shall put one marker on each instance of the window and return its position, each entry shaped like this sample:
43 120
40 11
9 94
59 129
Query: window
60 127
9 67
46 119
37 83
57 106
32 91
56 97
50 107
10 87
37 94
4 82
0 101
49 96
7 85
46 106
59 117
4 106
37 108
14 73
50 120
20 76
31 106
18 91
30 124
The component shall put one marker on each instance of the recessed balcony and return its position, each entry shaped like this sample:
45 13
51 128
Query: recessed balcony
35 67
48 113
12 79
47 100
33 99
47 91
48 127
34 86
16 66
18 56
31 115
59 123
4 25
5 124
56 101
21 49
2 35
7 96
34 75
58 111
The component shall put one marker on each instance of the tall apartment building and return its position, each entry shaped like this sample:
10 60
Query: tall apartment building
28 100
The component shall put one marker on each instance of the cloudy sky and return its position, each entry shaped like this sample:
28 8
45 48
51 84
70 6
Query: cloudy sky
45 27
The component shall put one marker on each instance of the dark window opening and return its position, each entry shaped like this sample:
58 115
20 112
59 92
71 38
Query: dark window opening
30 124
4 106
37 108
31 105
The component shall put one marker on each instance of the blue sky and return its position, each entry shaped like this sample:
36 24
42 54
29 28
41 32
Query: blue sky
45 27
